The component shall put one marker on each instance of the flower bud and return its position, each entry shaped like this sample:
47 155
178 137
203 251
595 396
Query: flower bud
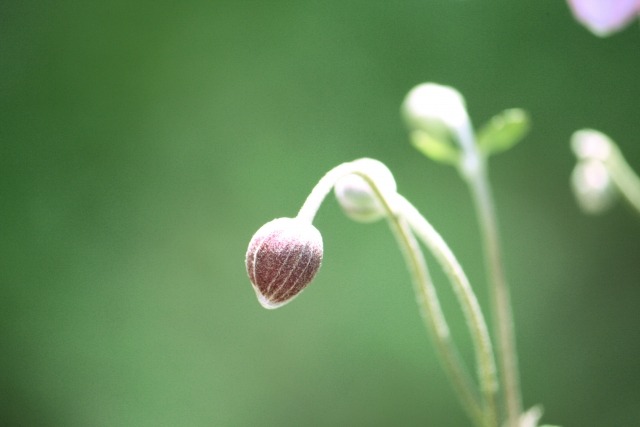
592 186
283 257
604 17
441 128
589 144
438 110
356 197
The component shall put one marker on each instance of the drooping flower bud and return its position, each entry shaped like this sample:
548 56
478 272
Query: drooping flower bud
435 108
591 180
589 144
283 257
592 186
440 126
355 196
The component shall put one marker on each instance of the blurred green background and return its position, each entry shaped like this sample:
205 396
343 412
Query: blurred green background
143 143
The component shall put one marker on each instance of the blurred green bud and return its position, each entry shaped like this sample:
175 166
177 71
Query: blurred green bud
438 119
355 195
431 104
589 144
592 182
503 131
592 186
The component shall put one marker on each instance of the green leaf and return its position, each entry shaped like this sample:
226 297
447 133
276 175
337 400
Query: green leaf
435 148
503 131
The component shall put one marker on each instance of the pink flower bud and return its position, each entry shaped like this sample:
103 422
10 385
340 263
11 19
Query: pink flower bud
282 259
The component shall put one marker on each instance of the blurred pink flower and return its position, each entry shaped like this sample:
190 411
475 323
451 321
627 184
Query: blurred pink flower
604 17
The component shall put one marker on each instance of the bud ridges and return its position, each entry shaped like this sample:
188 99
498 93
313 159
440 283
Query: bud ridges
283 257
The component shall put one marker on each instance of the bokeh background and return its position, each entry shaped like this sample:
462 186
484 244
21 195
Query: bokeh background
143 143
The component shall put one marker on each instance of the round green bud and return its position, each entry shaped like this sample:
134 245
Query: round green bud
436 109
355 195
592 186
589 144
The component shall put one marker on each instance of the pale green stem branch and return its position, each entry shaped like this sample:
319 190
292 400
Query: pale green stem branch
434 320
625 178
475 320
500 297
427 298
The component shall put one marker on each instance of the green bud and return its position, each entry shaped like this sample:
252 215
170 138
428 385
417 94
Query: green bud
592 186
438 120
589 144
355 195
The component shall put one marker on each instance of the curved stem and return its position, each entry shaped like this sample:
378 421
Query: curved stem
624 177
468 301
311 205
501 301
434 320
403 217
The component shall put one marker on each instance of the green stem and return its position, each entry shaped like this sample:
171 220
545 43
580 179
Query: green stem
428 302
468 301
625 178
501 301
434 320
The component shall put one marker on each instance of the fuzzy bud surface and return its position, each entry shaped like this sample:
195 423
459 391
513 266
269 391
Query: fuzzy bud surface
436 109
592 186
357 199
283 257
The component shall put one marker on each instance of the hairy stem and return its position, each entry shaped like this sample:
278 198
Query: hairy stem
434 320
475 320
402 218
501 300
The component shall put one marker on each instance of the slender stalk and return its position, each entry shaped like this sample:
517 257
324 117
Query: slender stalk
434 319
468 301
311 205
501 301
430 308
433 107
625 178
